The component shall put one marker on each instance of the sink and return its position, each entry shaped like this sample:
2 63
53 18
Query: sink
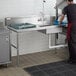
42 22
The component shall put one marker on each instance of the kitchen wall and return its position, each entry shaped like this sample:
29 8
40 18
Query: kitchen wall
14 8
75 1
29 41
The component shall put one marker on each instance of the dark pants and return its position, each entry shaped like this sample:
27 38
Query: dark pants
72 43
72 51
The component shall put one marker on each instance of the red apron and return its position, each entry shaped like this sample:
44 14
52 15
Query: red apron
69 31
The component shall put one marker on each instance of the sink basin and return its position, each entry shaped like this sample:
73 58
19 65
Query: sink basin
22 26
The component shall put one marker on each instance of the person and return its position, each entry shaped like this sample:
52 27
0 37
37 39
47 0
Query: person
70 12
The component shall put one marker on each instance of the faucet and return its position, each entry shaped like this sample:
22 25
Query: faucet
42 18
42 13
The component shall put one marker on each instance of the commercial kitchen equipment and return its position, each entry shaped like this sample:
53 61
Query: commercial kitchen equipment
18 25
60 4
47 29
5 50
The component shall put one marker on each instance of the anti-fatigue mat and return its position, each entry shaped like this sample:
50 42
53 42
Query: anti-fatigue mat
61 68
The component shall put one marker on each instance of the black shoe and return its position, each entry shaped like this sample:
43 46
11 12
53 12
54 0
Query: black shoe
70 61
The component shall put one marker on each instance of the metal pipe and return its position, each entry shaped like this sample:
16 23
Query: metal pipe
43 11
17 49
56 12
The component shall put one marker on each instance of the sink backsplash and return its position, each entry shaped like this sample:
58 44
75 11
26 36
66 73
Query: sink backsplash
37 20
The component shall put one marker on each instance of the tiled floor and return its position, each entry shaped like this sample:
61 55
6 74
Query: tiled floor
29 60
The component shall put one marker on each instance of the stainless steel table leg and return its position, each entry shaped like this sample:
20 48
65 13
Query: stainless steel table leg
17 49
10 44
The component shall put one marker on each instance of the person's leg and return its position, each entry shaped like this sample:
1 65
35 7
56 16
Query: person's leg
72 51
72 43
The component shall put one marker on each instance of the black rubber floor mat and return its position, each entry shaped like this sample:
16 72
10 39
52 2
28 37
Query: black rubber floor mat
61 68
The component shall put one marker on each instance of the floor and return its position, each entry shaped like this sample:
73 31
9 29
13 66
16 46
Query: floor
32 60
